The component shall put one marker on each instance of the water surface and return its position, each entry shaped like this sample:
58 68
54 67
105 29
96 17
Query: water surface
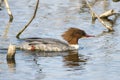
97 59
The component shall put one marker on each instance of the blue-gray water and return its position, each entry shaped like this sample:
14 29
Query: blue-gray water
97 59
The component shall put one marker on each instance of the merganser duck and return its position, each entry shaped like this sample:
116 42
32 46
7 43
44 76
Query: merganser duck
72 35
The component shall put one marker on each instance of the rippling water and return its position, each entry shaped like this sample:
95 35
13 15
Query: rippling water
97 59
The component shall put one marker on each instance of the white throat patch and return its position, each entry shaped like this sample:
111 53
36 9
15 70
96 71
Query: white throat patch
76 46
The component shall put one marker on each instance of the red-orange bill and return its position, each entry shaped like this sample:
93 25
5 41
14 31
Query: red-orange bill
87 35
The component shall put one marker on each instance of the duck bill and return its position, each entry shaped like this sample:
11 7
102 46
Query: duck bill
87 35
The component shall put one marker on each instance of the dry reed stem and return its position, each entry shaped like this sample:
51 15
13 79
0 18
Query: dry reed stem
10 18
95 15
107 13
8 10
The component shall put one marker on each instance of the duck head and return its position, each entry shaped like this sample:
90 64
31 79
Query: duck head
72 35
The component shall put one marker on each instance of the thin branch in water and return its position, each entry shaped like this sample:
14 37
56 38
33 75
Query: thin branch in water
8 10
10 17
37 4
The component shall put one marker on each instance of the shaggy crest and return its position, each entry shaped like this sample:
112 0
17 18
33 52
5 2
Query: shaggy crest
73 34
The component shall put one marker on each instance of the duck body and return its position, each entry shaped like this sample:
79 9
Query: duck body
71 36
45 44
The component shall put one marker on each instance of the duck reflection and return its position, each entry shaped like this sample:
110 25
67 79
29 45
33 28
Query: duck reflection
74 59
71 58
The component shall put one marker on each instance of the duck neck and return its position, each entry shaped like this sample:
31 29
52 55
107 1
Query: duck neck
74 43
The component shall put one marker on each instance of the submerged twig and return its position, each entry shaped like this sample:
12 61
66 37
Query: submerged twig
17 36
11 64
11 56
94 16
10 19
